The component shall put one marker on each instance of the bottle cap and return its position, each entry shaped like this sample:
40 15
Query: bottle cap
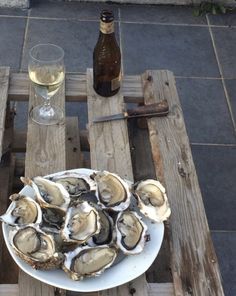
107 16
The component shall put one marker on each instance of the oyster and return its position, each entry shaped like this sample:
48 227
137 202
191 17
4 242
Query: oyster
131 232
52 218
81 222
152 200
113 192
49 194
76 184
23 210
35 247
87 261
106 232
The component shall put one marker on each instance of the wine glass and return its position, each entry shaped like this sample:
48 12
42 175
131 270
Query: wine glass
47 72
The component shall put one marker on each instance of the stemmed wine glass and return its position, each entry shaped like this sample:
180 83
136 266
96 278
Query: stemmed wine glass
47 72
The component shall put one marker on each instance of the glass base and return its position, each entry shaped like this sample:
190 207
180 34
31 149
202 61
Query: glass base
47 115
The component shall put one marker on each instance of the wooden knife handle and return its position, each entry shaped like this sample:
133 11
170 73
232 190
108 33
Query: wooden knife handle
160 107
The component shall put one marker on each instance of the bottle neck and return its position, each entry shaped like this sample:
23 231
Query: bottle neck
106 28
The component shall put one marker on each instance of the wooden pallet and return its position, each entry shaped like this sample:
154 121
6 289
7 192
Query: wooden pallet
186 264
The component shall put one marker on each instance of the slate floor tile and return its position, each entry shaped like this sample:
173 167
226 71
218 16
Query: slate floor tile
13 11
216 171
231 89
225 246
11 41
187 51
228 19
160 14
71 10
76 38
225 40
205 111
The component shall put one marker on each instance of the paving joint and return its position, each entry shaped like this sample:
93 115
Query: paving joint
24 42
221 74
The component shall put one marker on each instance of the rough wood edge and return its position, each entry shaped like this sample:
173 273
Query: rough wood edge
4 82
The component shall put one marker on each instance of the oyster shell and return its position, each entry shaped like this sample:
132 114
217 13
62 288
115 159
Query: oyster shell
81 222
35 247
131 232
113 192
88 261
105 234
23 210
152 200
76 184
52 219
49 194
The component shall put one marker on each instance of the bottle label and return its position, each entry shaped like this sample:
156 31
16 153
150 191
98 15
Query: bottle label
115 83
106 28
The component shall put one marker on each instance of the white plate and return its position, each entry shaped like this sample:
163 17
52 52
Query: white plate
126 270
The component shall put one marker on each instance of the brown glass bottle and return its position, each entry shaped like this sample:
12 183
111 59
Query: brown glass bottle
106 58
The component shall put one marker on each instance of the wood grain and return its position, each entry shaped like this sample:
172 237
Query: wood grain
195 268
110 151
4 82
74 158
45 154
75 87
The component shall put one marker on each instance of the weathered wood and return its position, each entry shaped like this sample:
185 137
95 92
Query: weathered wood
110 151
165 289
45 154
19 141
75 88
74 158
4 82
194 264
9 290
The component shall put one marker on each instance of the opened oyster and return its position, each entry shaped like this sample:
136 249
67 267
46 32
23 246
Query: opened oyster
152 200
52 219
88 261
81 222
49 194
131 232
113 192
23 210
105 234
35 247
76 184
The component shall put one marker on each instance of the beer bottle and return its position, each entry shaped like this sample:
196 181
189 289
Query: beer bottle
106 58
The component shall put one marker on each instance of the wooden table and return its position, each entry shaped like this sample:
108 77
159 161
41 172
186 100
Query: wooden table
187 263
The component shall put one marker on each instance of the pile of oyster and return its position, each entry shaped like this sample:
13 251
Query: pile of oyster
80 223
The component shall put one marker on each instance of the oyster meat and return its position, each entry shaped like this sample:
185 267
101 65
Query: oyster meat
113 192
82 221
35 247
88 261
152 200
23 210
49 194
131 232
106 232
75 184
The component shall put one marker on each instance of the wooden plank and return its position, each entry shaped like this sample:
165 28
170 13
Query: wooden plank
19 141
194 263
45 154
4 82
73 150
165 289
75 87
109 143
9 290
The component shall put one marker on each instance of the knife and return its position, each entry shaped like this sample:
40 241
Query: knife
157 109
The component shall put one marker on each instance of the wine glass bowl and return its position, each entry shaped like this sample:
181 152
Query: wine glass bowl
47 72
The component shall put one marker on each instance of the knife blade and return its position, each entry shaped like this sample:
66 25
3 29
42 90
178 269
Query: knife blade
157 109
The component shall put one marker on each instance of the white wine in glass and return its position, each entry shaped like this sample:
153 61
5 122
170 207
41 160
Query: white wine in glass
47 72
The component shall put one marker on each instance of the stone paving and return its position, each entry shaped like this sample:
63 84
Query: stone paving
201 51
